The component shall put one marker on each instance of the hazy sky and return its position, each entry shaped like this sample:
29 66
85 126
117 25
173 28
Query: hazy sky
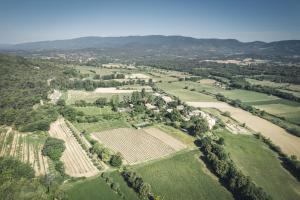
245 20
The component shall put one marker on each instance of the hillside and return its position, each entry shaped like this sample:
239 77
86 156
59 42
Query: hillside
167 45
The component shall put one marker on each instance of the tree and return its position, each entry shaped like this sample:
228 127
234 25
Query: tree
101 102
53 148
144 190
200 126
116 160
61 102
114 102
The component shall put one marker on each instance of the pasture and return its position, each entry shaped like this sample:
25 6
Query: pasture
90 189
256 160
139 145
76 161
182 176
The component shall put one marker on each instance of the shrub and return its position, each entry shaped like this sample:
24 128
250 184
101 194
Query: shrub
53 148
116 160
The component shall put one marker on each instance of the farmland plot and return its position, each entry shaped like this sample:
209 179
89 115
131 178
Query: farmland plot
24 147
288 143
77 162
139 145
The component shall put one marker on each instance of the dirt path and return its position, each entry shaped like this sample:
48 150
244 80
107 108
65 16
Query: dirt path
289 144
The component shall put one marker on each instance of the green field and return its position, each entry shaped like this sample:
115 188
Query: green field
176 89
74 95
107 119
247 96
101 125
183 137
91 189
255 159
182 177
93 110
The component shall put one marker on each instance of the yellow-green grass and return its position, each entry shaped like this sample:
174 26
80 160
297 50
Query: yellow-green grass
256 160
247 96
295 93
102 125
97 188
267 83
287 86
183 137
278 109
93 110
176 89
292 117
182 177
74 95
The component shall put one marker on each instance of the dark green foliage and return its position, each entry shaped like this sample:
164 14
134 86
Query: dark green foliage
136 182
200 126
101 102
116 160
17 181
53 148
23 83
15 168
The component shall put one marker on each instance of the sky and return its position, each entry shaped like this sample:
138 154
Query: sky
245 20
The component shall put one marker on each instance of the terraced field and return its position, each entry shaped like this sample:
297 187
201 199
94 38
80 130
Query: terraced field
25 147
137 145
77 162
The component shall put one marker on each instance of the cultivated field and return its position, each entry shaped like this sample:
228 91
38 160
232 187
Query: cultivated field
289 143
25 147
77 163
138 146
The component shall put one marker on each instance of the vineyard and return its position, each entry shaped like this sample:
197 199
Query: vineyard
77 163
25 147
137 145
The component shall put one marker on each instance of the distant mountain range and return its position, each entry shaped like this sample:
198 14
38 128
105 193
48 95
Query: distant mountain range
164 45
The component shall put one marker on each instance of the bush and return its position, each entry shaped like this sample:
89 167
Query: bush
116 160
53 148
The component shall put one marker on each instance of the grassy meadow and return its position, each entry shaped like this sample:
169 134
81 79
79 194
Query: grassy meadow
256 160
182 176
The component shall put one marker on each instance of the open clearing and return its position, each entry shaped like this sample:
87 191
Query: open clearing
182 177
139 145
25 147
288 143
74 95
76 161
256 160
177 89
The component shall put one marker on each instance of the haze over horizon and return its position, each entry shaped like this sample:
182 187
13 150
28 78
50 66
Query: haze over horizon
265 20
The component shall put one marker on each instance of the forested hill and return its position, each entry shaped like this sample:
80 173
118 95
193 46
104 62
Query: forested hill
23 84
178 45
